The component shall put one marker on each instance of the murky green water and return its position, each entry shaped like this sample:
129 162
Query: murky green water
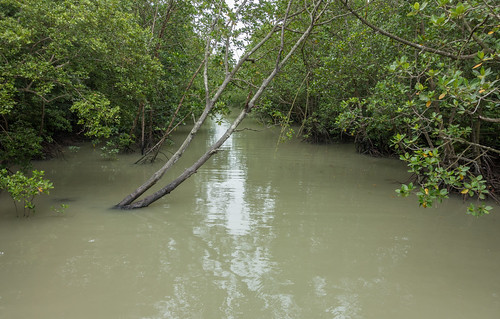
301 231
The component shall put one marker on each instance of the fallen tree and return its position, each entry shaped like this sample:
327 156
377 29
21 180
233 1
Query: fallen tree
310 11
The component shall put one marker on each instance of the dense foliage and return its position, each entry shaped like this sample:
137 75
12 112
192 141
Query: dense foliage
415 80
112 71
419 80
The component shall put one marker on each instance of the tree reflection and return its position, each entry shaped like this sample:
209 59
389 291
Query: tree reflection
264 252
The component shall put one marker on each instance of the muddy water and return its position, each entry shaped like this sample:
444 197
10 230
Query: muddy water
298 231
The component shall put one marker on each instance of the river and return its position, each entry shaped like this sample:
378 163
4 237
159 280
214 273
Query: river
261 231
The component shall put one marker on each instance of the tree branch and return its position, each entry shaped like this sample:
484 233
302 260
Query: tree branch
489 119
461 140
409 43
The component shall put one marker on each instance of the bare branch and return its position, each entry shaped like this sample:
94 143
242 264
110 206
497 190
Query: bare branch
461 140
489 119
169 129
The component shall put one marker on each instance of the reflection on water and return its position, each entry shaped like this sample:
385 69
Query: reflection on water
237 218
298 231
227 198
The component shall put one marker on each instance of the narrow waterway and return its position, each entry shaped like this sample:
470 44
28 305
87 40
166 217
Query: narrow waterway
261 231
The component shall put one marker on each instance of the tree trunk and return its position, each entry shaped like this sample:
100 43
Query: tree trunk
191 170
143 126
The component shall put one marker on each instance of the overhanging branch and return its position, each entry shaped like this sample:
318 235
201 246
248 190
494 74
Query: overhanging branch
404 41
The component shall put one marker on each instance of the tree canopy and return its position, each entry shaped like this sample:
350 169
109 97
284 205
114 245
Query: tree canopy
415 80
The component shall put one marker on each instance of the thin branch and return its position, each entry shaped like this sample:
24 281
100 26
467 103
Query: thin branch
475 37
489 119
491 10
169 128
164 27
250 84
461 140
233 24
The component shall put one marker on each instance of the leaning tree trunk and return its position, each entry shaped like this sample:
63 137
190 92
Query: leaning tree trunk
191 170
128 202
